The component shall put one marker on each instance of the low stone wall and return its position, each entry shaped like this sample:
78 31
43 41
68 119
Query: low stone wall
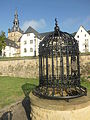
30 67
19 68
75 109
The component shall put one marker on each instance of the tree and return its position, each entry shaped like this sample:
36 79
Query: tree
2 41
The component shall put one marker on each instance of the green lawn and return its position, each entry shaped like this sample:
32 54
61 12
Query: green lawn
85 83
13 89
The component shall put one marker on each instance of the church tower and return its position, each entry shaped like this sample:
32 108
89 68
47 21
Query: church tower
15 32
16 22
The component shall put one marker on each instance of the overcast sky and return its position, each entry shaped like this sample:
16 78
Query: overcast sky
40 14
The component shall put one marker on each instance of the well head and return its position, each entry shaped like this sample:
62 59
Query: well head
59 69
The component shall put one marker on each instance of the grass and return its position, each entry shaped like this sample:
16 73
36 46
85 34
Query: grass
85 83
13 89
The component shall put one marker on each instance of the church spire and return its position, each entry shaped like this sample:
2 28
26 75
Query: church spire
16 22
15 27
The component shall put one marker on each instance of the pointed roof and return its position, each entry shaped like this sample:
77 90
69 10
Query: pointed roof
15 24
11 43
16 12
81 27
45 33
31 30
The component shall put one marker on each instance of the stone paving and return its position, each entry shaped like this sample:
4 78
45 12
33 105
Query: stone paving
18 111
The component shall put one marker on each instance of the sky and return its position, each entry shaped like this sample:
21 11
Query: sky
41 14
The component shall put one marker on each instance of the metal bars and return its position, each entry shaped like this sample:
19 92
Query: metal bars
59 69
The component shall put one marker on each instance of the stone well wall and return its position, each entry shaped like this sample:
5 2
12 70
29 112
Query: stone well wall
75 109
30 67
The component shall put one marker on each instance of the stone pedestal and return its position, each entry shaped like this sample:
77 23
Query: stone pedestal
75 109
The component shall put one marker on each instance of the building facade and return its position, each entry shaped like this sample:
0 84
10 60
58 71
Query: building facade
29 42
83 38
10 49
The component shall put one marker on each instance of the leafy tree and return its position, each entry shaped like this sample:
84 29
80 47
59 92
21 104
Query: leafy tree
2 41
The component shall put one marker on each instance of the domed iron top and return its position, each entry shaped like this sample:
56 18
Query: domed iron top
64 37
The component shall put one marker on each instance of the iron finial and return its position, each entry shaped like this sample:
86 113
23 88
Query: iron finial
56 22
56 25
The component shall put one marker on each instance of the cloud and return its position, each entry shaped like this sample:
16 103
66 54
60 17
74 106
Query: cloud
35 24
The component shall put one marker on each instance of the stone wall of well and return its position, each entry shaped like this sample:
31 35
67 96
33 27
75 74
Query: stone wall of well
30 67
75 109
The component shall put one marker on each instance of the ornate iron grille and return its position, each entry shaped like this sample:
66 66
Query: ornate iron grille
59 69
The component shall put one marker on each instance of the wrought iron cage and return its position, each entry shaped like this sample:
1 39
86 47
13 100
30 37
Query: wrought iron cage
59 69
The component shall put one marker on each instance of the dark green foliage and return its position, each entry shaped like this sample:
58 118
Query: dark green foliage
2 41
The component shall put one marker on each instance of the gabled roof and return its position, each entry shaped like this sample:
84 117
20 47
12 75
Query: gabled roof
81 27
31 30
11 43
45 34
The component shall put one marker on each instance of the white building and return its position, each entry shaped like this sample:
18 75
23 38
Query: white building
10 49
30 43
84 39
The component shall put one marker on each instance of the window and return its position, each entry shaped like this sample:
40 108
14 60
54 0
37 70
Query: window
9 54
85 35
28 34
31 41
25 50
35 40
78 36
25 42
81 30
86 41
10 44
34 36
31 49
86 45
